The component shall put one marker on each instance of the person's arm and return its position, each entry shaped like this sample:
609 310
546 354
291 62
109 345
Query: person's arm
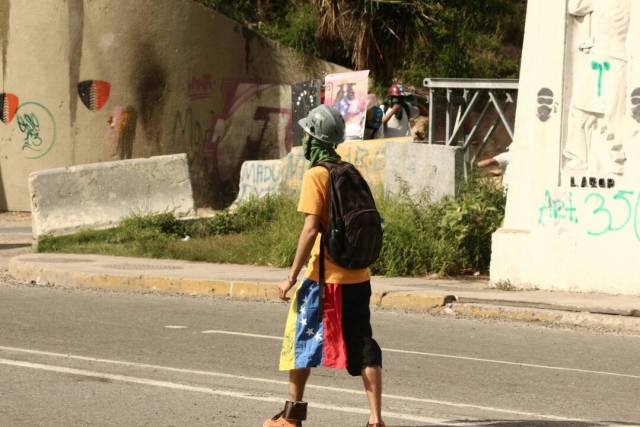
390 113
488 162
306 240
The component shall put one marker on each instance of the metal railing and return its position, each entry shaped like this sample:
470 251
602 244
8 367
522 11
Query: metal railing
462 97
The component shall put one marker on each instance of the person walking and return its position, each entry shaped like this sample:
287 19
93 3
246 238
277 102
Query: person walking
328 323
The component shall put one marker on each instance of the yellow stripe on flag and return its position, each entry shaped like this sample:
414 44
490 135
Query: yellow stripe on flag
288 353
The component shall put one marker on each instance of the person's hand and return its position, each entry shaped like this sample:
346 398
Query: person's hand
284 287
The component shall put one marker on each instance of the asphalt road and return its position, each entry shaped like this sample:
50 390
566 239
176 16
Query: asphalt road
87 358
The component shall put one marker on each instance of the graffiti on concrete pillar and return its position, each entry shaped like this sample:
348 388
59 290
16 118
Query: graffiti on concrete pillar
38 127
94 93
546 104
594 213
8 107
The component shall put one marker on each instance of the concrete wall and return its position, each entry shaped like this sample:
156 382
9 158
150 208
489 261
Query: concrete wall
385 164
177 78
99 195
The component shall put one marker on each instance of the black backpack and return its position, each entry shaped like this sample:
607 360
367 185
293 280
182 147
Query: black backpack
354 237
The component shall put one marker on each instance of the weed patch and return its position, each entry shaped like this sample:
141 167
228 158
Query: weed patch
420 236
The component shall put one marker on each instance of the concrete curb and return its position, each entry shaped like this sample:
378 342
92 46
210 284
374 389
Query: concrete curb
604 322
419 301
242 290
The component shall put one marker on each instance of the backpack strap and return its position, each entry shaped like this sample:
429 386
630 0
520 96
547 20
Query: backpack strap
328 166
321 278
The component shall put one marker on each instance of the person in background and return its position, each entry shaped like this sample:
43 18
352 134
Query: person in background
373 128
501 161
397 113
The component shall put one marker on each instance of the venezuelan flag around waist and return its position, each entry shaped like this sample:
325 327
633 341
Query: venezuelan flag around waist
313 337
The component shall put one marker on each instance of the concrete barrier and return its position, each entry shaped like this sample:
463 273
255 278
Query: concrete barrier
66 200
259 178
390 165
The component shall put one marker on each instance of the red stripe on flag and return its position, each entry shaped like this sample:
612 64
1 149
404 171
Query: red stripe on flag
101 92
334 349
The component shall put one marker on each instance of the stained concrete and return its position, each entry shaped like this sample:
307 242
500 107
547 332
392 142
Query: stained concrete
99 195
182 78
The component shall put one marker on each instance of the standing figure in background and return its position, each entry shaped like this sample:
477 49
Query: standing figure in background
398 111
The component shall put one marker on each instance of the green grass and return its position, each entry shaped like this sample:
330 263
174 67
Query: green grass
420 237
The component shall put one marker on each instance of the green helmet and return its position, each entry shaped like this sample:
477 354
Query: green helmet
324 123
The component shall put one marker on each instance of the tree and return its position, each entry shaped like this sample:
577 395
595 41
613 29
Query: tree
376 32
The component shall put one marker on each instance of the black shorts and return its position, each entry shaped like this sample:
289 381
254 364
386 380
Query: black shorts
362 349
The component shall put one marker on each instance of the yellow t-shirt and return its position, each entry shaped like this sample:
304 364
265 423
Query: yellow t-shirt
314 199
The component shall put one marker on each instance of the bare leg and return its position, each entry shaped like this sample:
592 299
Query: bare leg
297 380
372 378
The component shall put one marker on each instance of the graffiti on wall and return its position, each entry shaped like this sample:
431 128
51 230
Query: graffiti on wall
8 107
188 131
259 178
38 128
94 94
200 87
368 157
254 113
256 124
597 213
293 169
122 132
305 96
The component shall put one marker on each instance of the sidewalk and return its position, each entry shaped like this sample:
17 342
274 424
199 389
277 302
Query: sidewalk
474 298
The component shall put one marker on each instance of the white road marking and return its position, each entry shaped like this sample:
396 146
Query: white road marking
450 356
211 391
270 381
175 327
242 334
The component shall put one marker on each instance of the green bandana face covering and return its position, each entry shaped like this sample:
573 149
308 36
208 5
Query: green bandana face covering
317 151
306 146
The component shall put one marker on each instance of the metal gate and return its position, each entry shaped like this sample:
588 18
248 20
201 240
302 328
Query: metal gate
461 97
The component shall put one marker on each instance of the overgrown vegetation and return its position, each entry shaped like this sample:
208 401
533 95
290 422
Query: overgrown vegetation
447 237
408 40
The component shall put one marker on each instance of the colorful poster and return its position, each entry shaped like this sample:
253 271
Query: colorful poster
347 93
305 96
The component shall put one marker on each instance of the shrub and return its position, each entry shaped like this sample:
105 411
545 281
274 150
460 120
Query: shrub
421 236
445 237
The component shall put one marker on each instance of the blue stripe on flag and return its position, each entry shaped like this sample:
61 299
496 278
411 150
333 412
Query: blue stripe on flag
308 343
